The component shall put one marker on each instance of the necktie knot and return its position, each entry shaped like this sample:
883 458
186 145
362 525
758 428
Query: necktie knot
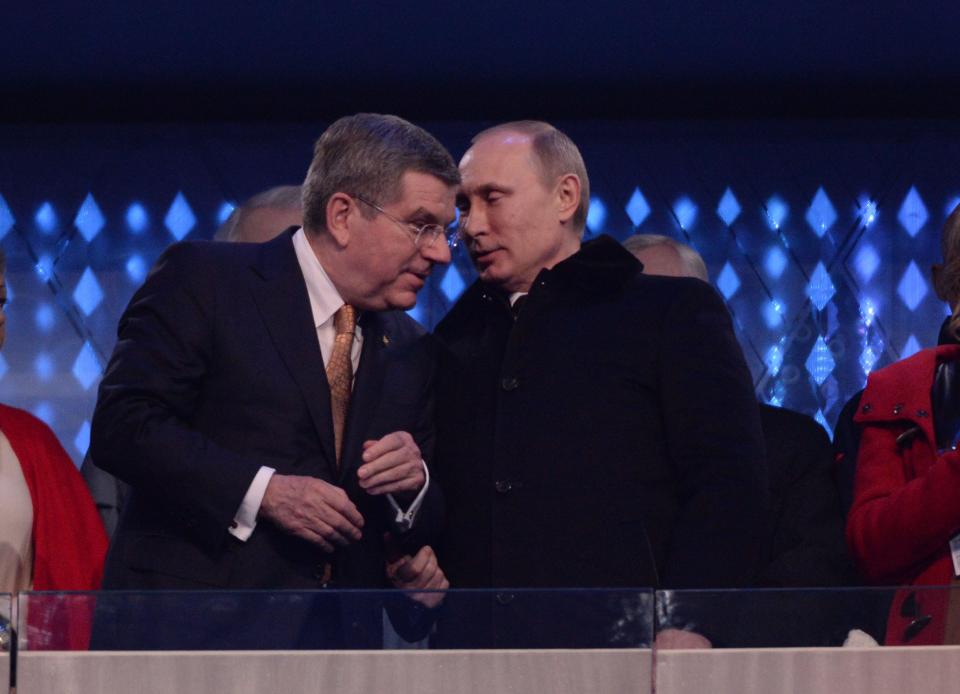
345 320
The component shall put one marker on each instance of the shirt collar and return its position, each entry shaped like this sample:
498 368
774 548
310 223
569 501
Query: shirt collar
324 297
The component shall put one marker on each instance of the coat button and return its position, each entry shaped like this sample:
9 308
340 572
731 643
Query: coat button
503 486
922 413
898 408
866 408
505 598
509 383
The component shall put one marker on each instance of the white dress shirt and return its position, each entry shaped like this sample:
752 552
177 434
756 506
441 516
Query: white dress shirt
325 301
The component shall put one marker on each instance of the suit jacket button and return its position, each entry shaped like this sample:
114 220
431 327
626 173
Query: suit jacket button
503 486
509 383
866 408
505 598
898 408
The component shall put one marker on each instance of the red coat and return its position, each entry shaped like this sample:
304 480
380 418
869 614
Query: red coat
69 543
906 498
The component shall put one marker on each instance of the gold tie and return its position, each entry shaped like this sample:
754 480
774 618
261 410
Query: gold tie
340 371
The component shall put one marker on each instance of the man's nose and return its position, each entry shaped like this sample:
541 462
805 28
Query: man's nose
473 222
436 252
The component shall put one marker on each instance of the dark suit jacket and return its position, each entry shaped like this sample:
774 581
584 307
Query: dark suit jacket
608 438
217 371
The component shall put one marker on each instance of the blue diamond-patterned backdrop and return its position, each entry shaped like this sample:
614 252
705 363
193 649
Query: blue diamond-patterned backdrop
819 236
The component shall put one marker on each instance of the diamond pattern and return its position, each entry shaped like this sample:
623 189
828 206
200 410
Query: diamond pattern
821 214
820 362
136 268
86 367
452 285
686 212
912 287
822 421
89 219
43 366
777 211
46 218
911 347
6 218
180 218
45 413
596 215
637 208
867 359
773 312
775 262
728 208
774 359
81 441
88 293
820 289
728 283
866 262
137 218
3 367
913 213
44 318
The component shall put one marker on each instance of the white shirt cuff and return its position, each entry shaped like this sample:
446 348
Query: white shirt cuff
246 519
404 519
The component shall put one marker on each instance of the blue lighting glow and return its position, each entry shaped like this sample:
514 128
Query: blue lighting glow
3 367
46 218
868 211
913 213
81 442
180 218
820 289
777 211
951 206
868 312
774 359
775 262
686 211
43 366
728 208
866 262
44 412
44 317
226 209
6 218
88 293
44 267
452 284
417 314
912 287
89 219
777 395
773 313
820 363
822 421
637 208
728 282
911 347
86 367
137 218
136 268
596 215
868 358
821 214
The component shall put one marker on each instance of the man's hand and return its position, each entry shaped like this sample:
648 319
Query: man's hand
312 509
391 464
676 639
419 572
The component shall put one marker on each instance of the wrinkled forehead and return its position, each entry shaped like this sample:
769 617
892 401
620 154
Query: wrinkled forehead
498 157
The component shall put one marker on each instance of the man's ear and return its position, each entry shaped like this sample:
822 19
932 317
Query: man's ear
340 210
568 196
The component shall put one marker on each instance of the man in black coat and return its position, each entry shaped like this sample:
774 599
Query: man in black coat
596 426
218 411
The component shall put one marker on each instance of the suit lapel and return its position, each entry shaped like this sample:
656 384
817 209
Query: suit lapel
281 297
367 385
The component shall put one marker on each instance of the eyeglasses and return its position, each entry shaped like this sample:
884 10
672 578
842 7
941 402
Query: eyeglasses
428 233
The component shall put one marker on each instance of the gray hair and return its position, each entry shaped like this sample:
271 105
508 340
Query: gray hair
279 197
692 261
366 155
556 155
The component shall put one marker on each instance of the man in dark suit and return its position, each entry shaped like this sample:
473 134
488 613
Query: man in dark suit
596 426
272 437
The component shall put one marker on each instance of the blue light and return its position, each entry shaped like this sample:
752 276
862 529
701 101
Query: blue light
180 218
88 293
452 284
911 347
820 363
81 442
686 212
868 211
820 288
912 287
44 318
46 218
868 358
137 218
774 359
637 208
913 213
951 206
44 267
417 314
773 312
821 214
86 367
6 218
3 367
44 412
596 215
868 312
43 366
89 219
226 209
136 268
775 262
866 262
777 211
728 208
728 283
822 421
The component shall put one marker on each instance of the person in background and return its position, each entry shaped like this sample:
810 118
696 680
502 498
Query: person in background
804 544
577 448
903 525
